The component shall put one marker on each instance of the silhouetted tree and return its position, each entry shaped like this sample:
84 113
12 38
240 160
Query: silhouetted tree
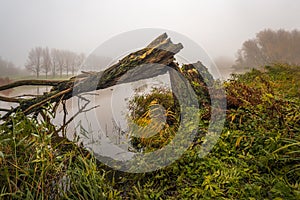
54 61
69 61
46 57
79 59
34 61
43 60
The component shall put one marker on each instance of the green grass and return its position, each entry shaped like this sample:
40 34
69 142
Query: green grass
256 157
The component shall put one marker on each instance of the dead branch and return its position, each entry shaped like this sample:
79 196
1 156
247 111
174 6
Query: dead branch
27 95
30 82
81 110
4 110
10 99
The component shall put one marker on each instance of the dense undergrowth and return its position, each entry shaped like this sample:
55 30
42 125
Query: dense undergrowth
256 157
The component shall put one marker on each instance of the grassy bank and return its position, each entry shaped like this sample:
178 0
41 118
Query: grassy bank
256 157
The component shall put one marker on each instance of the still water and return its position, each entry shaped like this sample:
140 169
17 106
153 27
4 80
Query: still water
102 129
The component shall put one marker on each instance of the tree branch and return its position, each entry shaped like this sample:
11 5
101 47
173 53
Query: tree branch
10 99
30 82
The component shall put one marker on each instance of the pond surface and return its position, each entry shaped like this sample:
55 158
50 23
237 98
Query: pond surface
103 129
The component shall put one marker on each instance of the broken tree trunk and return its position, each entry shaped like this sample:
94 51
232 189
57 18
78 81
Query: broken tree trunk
156 56
155 59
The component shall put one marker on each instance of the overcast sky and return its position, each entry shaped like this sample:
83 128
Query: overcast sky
220 27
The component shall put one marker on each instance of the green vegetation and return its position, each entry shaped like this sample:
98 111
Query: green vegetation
142 108
256 157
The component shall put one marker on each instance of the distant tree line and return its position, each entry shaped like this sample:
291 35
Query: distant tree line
8 68
269 47
53 62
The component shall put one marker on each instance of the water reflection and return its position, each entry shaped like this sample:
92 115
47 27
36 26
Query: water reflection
102 129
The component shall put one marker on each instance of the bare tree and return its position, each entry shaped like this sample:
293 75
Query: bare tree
66 61
79 59
54 61
46 66
34 61
69 60
72 61
60 61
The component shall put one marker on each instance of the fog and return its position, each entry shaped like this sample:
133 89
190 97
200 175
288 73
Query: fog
220 27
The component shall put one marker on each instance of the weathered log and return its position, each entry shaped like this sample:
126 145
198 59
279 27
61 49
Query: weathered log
156 56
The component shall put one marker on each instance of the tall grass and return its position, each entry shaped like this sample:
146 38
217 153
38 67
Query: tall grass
36 164
256 157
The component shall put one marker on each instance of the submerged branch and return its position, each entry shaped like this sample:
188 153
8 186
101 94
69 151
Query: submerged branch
30 83
10 99
4 110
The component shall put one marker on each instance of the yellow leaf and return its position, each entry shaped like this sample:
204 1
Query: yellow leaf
238 141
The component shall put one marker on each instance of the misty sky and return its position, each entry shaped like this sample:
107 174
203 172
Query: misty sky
220 27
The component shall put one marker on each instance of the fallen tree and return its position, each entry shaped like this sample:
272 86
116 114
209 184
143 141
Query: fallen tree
155 59
158 57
